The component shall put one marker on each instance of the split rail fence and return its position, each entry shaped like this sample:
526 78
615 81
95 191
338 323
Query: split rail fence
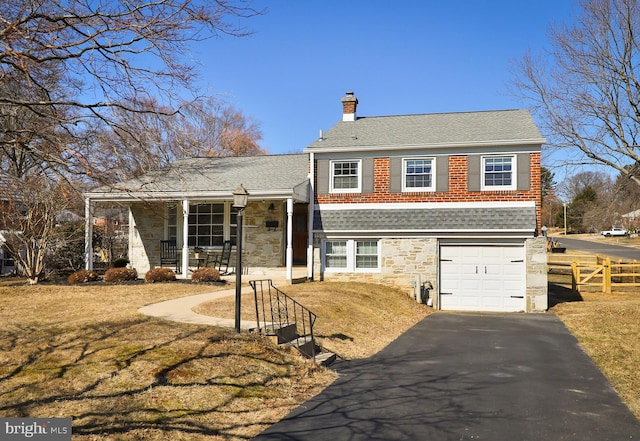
603 273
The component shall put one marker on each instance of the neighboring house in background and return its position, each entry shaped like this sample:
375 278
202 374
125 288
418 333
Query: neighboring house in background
452 200
7 264
632 220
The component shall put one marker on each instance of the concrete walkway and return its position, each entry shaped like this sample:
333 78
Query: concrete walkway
181 310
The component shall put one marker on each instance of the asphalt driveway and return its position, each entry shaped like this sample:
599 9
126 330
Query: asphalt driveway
487 377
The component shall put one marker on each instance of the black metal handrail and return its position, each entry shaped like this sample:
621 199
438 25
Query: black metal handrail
276 310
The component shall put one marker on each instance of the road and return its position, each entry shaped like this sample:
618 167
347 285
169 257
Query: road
596 247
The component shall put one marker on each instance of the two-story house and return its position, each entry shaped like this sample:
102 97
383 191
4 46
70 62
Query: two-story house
450 201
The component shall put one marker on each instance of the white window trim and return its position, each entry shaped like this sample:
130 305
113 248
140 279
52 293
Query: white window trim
351 257
345 190
514 174
406 189
228 207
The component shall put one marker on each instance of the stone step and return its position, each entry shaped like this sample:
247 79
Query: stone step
325 358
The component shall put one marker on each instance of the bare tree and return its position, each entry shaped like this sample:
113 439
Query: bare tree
30 207
586 89
81 60
141 142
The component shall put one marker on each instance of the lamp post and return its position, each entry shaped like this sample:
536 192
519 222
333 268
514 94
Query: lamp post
565 218
240 196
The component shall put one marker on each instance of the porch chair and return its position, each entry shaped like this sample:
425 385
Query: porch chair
223 258
169 253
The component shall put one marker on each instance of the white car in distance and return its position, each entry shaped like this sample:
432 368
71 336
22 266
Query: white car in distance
615 231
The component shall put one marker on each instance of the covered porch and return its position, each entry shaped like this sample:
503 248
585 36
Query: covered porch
191 205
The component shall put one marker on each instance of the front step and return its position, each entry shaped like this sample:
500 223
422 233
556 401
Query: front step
287 335
305 345
325 358
282 334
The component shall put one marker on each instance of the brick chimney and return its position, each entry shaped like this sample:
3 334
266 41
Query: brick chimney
349 104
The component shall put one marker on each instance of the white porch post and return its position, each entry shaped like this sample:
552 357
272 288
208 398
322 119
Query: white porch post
185 239
312 176
289 257
88 234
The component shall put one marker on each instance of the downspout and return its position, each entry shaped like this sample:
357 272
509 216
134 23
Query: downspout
88 235
312 175
185 239
289 257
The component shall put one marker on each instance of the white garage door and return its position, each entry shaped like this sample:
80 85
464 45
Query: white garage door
482 278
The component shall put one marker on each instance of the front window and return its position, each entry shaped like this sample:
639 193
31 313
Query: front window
345 176
352 255
418 174
209 224
498 173
206 225
172 222
366 254
336 254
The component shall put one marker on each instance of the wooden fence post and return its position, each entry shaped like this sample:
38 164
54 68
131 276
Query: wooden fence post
575 276
606 276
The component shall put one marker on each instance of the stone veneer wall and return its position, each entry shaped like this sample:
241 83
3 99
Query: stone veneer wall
537 288
146 230
261 247
403 260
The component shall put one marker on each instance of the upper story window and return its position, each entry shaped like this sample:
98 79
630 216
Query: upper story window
418 174
346 176
498 173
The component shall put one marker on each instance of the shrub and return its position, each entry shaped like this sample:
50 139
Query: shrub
117 275
82 276
160 275
205 275
121 262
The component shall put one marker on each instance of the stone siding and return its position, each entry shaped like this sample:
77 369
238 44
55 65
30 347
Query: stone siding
537 288
262 247
146 230
403 261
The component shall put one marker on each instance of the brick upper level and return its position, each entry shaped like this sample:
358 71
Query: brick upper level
458 188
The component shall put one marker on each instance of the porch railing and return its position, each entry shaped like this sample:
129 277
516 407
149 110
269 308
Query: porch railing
275 311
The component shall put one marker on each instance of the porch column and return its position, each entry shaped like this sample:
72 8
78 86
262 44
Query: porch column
88 235
289 256
312 177
185 239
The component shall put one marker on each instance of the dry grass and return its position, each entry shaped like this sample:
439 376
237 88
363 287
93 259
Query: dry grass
84 351
607 327
355 320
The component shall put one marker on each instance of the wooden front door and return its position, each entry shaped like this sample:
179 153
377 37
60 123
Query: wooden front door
300 233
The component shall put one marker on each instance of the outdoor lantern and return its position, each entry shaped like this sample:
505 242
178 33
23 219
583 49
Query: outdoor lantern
240 196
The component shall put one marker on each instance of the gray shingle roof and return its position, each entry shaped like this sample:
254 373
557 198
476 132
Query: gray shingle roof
440 129
434 219
208 176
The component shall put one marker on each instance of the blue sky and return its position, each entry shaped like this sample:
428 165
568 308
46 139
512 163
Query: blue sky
399 57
